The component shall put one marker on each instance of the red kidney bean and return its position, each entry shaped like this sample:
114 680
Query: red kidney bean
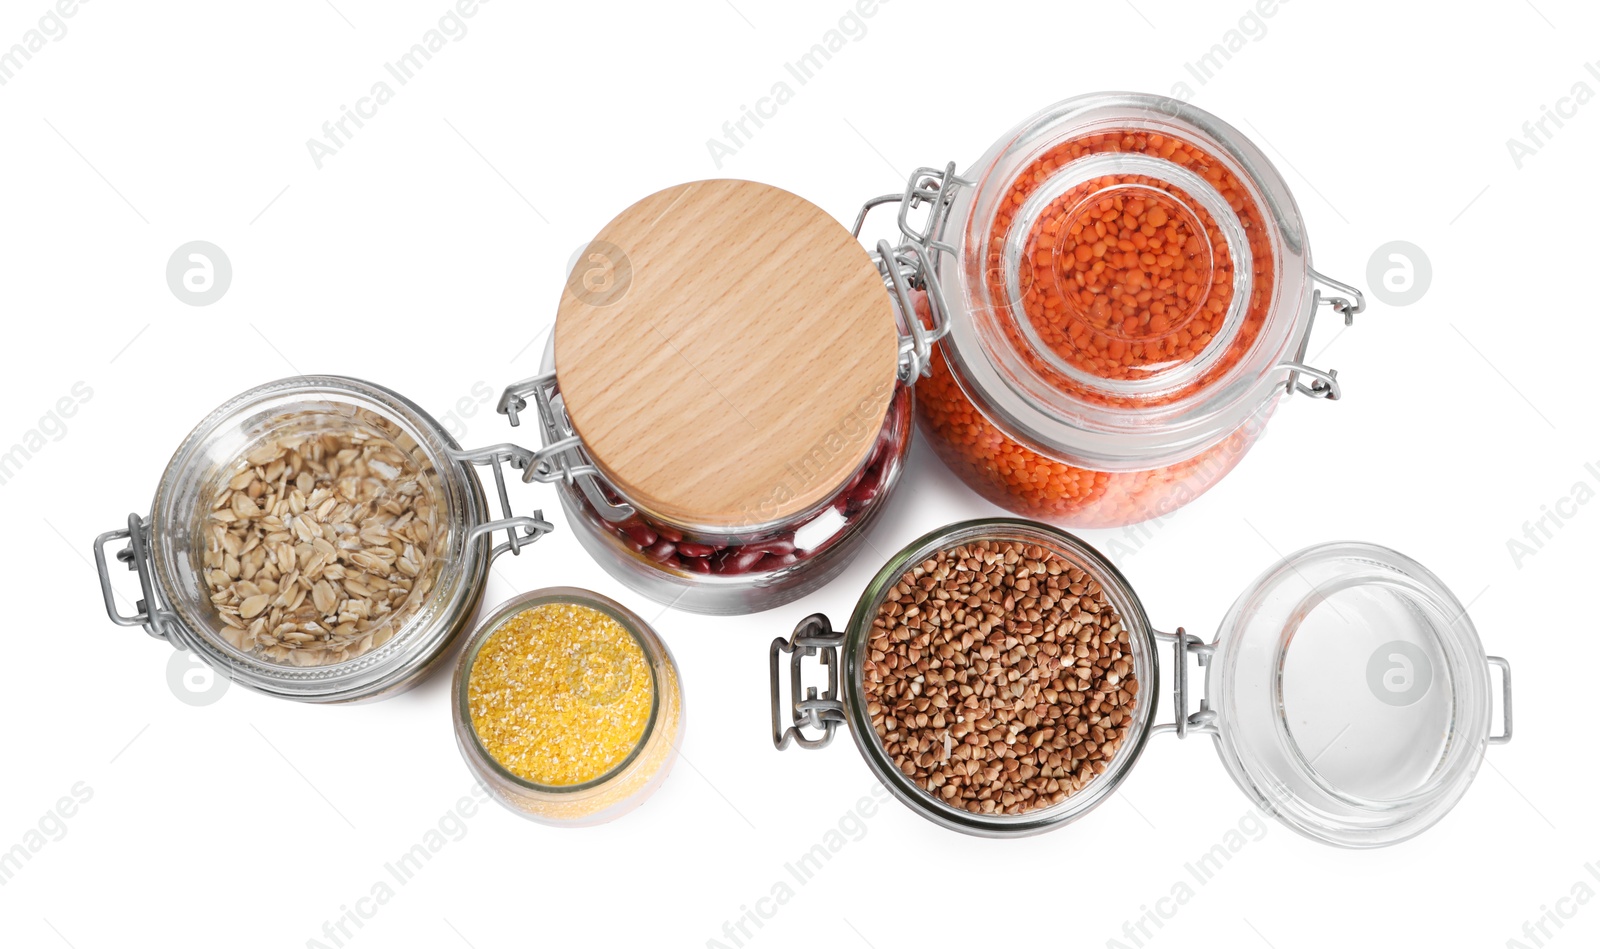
868 488
774 561
777 545
667 545
737 560
639 532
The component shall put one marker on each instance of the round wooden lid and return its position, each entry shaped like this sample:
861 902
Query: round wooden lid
727 352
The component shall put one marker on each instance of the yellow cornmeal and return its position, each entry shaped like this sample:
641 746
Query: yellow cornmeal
560 694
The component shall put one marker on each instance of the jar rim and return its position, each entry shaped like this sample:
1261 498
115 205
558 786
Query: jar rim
1246 683
418 645
654 651
1141 636
1096 433
738 532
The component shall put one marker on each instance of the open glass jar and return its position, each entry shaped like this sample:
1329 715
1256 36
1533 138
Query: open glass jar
318 538
582 702
1127 293
724 422
1346 689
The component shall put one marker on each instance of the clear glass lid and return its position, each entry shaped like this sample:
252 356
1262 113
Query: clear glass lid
1133 277
1350 695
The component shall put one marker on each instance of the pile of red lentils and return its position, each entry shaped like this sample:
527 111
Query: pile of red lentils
1122 277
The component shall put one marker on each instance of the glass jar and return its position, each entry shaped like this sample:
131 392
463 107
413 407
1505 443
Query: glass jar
1346 690
723 423
349 572
621 788
1127 295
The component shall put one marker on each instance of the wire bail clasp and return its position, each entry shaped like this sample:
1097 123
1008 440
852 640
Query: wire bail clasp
561 458
521 530
1346 301
1204 721
911 266
808 710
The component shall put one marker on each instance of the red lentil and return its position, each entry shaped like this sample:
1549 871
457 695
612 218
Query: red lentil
1115 314
1122 277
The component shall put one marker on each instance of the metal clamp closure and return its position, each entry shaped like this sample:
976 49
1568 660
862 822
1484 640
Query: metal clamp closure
1204 721
561 458
913 264
136 554
814 635
521 530
1347 301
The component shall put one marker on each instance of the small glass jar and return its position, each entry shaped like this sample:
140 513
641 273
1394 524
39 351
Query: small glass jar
365 642
1347 690
623 787
1124 293
723 424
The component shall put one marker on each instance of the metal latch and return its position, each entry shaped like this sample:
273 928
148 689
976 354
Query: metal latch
521 530
136 554
1204 721
1347 301
814 636
562 457
913 264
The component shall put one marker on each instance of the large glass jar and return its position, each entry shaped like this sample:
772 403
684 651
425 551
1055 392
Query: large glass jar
318 538
1346 689
724 422
1128 293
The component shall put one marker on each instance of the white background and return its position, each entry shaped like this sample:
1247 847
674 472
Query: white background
428 255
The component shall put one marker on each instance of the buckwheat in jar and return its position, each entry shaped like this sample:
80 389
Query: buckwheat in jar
1128 292
1001 678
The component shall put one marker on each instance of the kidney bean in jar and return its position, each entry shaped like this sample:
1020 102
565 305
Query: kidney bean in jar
724 428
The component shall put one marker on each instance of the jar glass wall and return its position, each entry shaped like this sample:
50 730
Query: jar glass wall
585 675
319 538
721 572
1346 690
1129 294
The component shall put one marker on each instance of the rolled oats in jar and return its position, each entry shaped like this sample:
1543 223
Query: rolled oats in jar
318 538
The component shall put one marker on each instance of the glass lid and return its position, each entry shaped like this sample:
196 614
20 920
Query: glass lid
1350 695
1133 275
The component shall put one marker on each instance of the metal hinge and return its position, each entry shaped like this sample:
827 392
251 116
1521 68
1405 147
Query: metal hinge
521 530
809 710
913 264
561 458
1204 721
1324 383
151 615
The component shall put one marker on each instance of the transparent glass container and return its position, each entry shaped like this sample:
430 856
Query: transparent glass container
713 569
1346 690
625 786
1123 294
170 548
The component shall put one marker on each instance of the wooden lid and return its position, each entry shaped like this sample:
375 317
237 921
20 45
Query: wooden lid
727 352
